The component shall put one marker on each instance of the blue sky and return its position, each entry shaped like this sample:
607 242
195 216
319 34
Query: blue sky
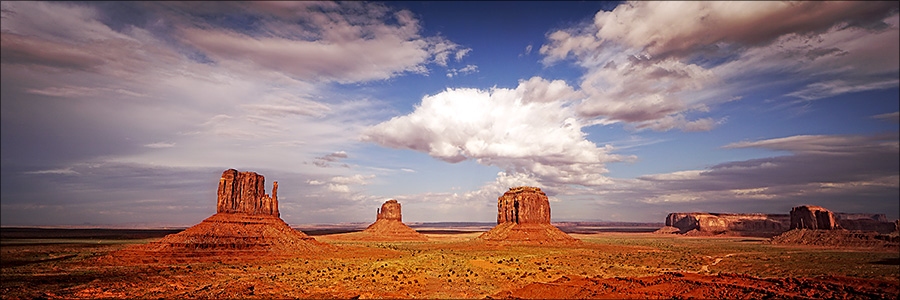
126 113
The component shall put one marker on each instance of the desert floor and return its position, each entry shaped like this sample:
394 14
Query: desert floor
452 265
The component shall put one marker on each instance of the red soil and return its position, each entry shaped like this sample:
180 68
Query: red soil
689 285
530 233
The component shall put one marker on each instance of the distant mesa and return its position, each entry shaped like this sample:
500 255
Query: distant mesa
703 223
523 215
769 225
247 225
388 226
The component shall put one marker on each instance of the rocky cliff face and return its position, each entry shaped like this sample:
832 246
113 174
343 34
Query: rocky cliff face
523 205
245 192
751 224
390 210
523 216
812 217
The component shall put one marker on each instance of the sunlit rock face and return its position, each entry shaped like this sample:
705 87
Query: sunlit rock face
523 215
245 192
812 217
390 210
715 223
523 205
388 226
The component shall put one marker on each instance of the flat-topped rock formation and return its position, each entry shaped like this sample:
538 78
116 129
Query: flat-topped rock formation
246 226
523 215
866 222
813 217
718 223
768 225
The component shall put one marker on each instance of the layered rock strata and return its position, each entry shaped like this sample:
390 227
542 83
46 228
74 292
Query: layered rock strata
246 226
523 215
718 223
767 225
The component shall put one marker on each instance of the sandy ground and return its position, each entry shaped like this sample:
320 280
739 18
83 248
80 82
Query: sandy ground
612 265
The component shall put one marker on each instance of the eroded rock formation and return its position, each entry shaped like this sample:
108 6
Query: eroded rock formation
246 226
812 217
718 223
768 225
865 222
523 205
390 210
245 192
389 226
523 215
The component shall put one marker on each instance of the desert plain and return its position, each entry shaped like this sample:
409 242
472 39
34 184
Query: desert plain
607 262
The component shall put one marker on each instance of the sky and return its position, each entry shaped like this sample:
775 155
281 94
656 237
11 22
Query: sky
127 113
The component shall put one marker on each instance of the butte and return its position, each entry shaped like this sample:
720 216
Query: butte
523 215
388 226
247 226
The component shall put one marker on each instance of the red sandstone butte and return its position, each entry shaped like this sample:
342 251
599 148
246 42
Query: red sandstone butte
390 210
246 226
245 192
813 217
389 226
523 215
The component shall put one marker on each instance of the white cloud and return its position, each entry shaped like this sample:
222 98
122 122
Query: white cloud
893 117
67 171
338 188
160 145
698 54
357 179
524 130
343 42
468 69
462 53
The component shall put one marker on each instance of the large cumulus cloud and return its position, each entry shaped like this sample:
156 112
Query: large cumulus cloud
529 129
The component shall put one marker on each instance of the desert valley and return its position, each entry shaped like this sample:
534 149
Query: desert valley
246 251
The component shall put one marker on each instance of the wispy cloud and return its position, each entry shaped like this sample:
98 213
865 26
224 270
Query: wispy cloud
695 55
54 172
893 117
160 145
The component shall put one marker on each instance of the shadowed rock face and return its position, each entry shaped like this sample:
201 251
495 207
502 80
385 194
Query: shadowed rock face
523 205
390 210
812 217
245 192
